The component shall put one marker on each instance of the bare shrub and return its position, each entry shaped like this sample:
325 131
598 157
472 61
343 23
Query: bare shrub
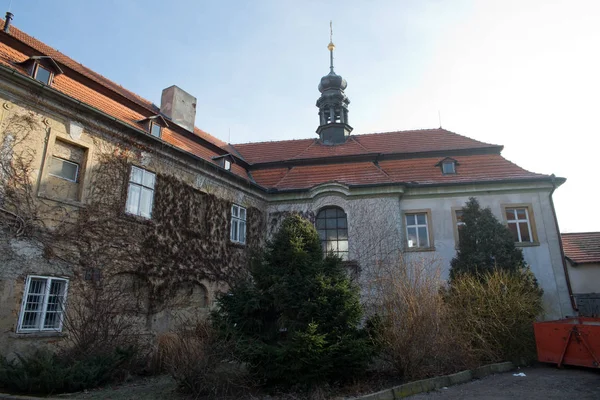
100 320
201 363
495 312
415 335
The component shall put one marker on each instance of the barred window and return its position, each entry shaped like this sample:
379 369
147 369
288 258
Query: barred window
43 304
332 226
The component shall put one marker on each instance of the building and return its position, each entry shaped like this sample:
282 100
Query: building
99 183
582 254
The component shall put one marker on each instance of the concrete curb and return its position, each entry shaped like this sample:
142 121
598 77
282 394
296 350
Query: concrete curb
5 396
427 385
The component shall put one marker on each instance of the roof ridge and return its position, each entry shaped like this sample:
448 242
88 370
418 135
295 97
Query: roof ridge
274 141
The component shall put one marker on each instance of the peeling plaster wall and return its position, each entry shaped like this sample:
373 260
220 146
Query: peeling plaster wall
92 138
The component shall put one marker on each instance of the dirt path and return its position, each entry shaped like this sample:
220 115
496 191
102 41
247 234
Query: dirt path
543 383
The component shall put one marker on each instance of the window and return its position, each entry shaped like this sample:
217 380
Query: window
64 169
42 74
227 165
332 226
448 167
459 223
155 129
238 224
519 222
43 304
417 231
140 195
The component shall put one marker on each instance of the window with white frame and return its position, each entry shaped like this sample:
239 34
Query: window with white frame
43 304
238 224
155 129
448 167
140 194
417 231
518 220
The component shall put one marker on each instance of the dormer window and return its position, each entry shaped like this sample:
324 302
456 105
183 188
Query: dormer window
42 74
41 68
155 129
448 166
224 161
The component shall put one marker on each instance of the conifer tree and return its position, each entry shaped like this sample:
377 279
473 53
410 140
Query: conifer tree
485 244
296 319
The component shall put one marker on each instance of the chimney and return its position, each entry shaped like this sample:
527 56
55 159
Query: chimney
9 17
179 106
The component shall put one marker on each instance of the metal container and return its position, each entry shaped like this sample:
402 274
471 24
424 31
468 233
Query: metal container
570 341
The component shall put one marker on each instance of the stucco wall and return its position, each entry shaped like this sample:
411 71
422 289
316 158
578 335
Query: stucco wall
585 278
376 230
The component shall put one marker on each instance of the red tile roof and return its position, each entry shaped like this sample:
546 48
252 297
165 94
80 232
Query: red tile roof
423 171
415 141
294 164
582 248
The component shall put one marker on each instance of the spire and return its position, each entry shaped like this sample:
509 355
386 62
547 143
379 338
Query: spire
331 46
333 104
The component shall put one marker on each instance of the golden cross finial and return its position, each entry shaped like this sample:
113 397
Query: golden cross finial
331 46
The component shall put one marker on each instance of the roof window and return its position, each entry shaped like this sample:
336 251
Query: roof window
448 166
42 74
155 129
224 161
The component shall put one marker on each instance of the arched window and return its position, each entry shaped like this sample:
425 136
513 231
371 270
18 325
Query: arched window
332 226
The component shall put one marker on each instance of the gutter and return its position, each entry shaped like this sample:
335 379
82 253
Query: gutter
560 244
31 82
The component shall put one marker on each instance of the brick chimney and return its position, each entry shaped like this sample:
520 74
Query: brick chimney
179 106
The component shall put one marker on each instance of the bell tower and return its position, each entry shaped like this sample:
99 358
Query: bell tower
333 104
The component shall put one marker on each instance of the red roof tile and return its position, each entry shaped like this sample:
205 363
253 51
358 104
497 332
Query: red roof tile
582 248
304 177
415 141
475 168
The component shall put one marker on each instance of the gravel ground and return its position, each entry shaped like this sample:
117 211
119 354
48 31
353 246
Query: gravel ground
541 382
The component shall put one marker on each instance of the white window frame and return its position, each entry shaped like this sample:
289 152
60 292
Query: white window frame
69 162
141 186
518 221
227 164
42 319
417 226
237 222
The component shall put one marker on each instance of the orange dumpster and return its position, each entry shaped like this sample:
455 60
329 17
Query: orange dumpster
570 341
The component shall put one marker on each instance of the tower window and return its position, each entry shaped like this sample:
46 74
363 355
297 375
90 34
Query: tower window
155 129
42 74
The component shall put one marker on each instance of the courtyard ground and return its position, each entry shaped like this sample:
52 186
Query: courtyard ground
544 382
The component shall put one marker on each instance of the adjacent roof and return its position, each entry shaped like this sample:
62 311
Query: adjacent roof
377 158
582 248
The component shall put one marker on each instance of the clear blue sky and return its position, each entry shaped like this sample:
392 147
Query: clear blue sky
524 74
